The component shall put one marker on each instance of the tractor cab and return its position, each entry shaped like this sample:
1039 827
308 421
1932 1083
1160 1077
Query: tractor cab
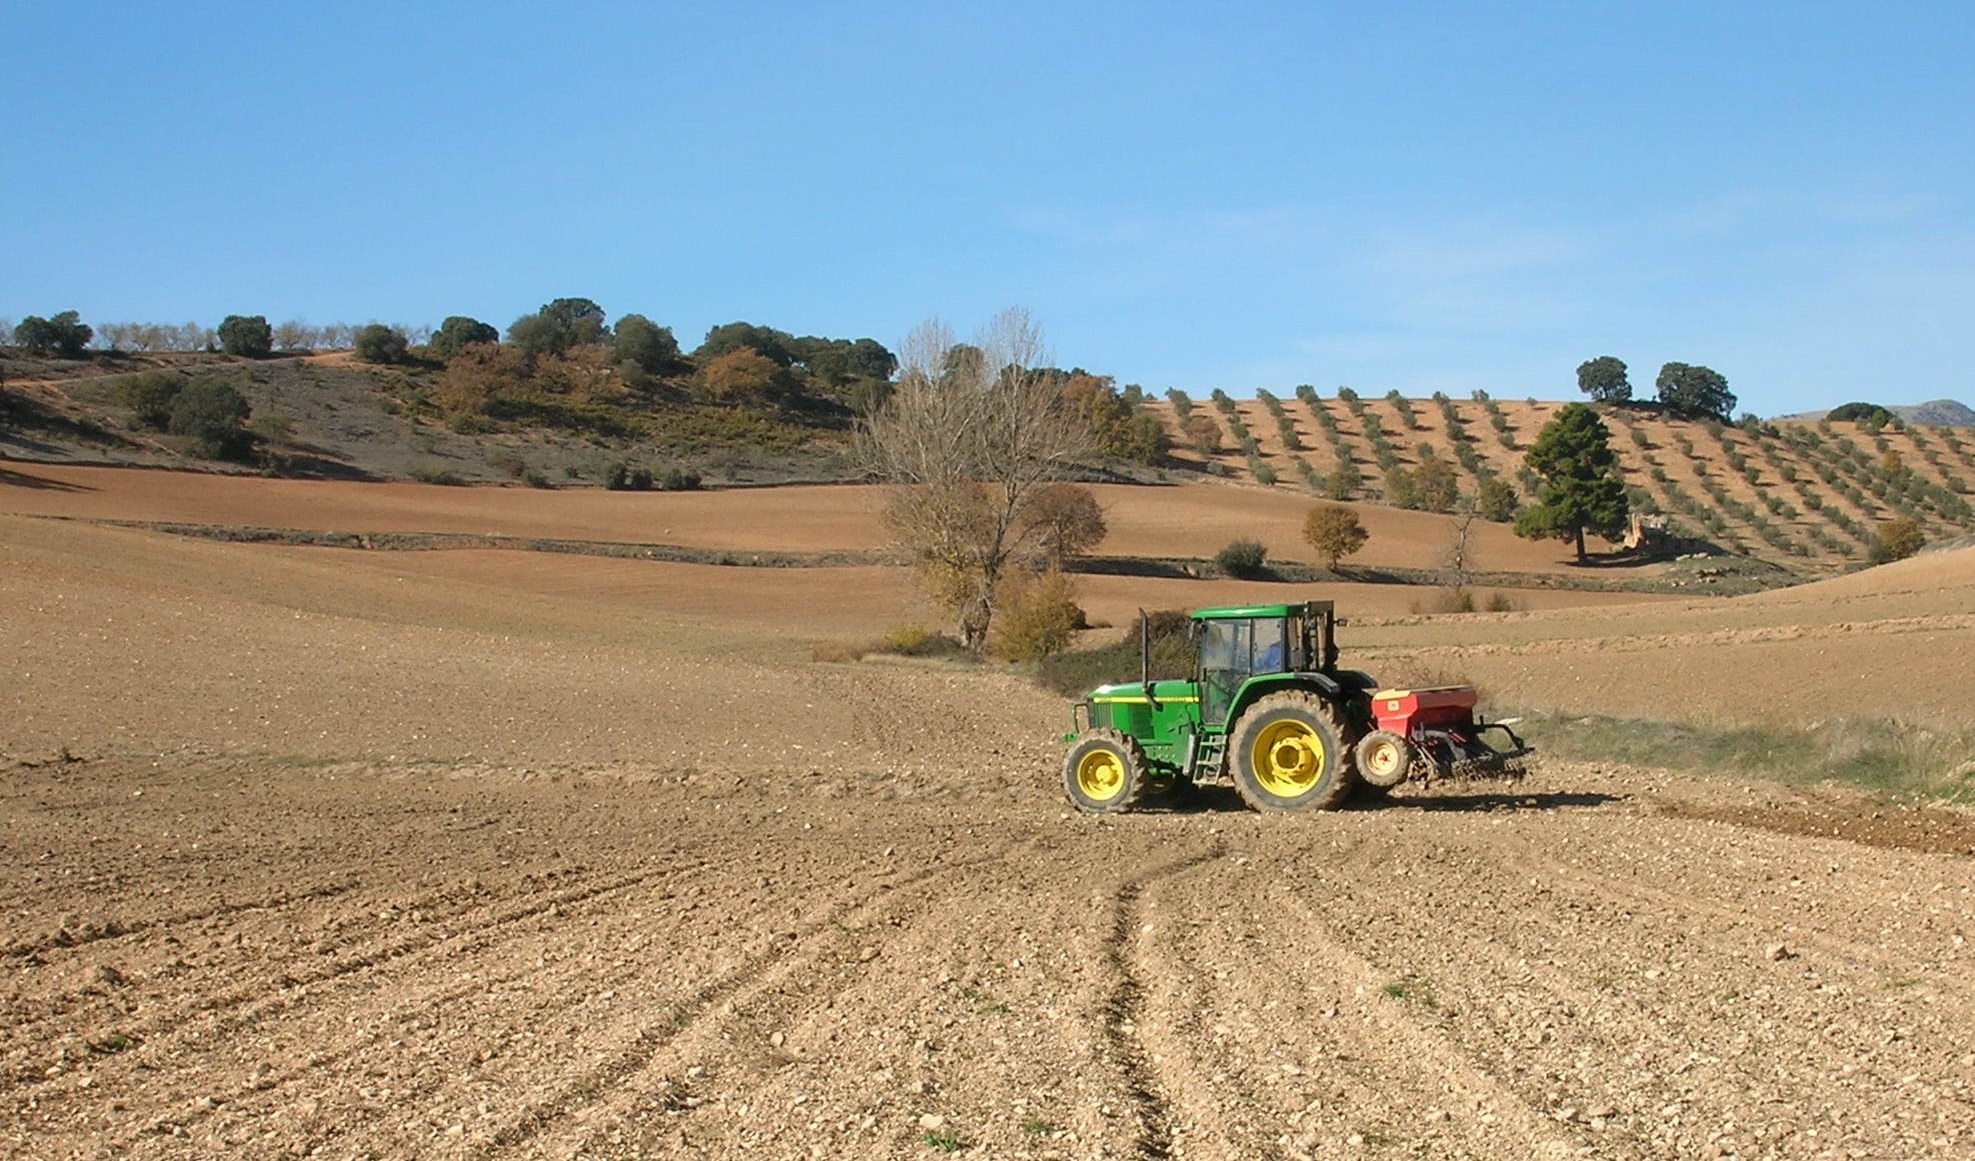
1238 645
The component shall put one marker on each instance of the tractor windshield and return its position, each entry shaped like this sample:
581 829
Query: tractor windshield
1231 651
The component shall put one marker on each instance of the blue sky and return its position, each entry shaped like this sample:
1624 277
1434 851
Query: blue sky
1421 196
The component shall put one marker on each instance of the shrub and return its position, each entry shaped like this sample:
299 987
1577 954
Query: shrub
1898 539
917 641
1037 618
1446 601
437 474
624 476
679 480
377 343
276 429
1402 488
1204 434
1496 502
512 464
150 395
211 415
457 333
1169 647
1244 558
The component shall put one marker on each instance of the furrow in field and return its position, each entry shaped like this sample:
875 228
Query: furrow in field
1551 985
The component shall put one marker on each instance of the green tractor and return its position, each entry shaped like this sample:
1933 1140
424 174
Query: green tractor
1268 709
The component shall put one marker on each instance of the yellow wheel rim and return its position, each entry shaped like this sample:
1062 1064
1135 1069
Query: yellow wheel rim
1382 759
1288 758
1100 775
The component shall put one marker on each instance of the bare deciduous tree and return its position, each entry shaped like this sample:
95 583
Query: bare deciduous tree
296 335
1457 557
971 437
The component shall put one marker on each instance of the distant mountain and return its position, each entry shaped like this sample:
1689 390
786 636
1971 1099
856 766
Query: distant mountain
1934 413
1939 412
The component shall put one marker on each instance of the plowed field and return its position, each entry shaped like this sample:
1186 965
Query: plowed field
310 855
211 955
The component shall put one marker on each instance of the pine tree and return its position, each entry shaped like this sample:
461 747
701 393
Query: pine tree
1581 488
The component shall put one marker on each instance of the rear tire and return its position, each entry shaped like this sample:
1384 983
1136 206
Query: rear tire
1384 759
1287 753
1104 772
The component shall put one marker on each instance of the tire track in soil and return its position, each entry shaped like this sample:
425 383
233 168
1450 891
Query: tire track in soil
65 940
756 975
242 1009
308 1073
1546 1021
1506 987
1347 1055
1125 1008
1858 955
985 1015
1397 1035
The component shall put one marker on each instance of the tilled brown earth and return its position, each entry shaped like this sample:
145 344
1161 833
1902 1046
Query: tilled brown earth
206 955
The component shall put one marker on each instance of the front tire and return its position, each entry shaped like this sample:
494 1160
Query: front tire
1287 753
1104 773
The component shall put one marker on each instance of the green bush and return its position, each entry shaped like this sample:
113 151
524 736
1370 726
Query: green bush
150 395
211 415
1170 647
1496 501
437 474
679 480
624 476
1245 558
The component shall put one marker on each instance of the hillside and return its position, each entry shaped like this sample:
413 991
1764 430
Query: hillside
1797 495
327 416
1806 497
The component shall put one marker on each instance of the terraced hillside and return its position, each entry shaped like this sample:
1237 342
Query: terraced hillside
1793 493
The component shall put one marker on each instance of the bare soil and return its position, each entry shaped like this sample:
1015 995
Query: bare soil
328 853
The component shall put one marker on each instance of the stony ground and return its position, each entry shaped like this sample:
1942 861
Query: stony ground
209 955
305 855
